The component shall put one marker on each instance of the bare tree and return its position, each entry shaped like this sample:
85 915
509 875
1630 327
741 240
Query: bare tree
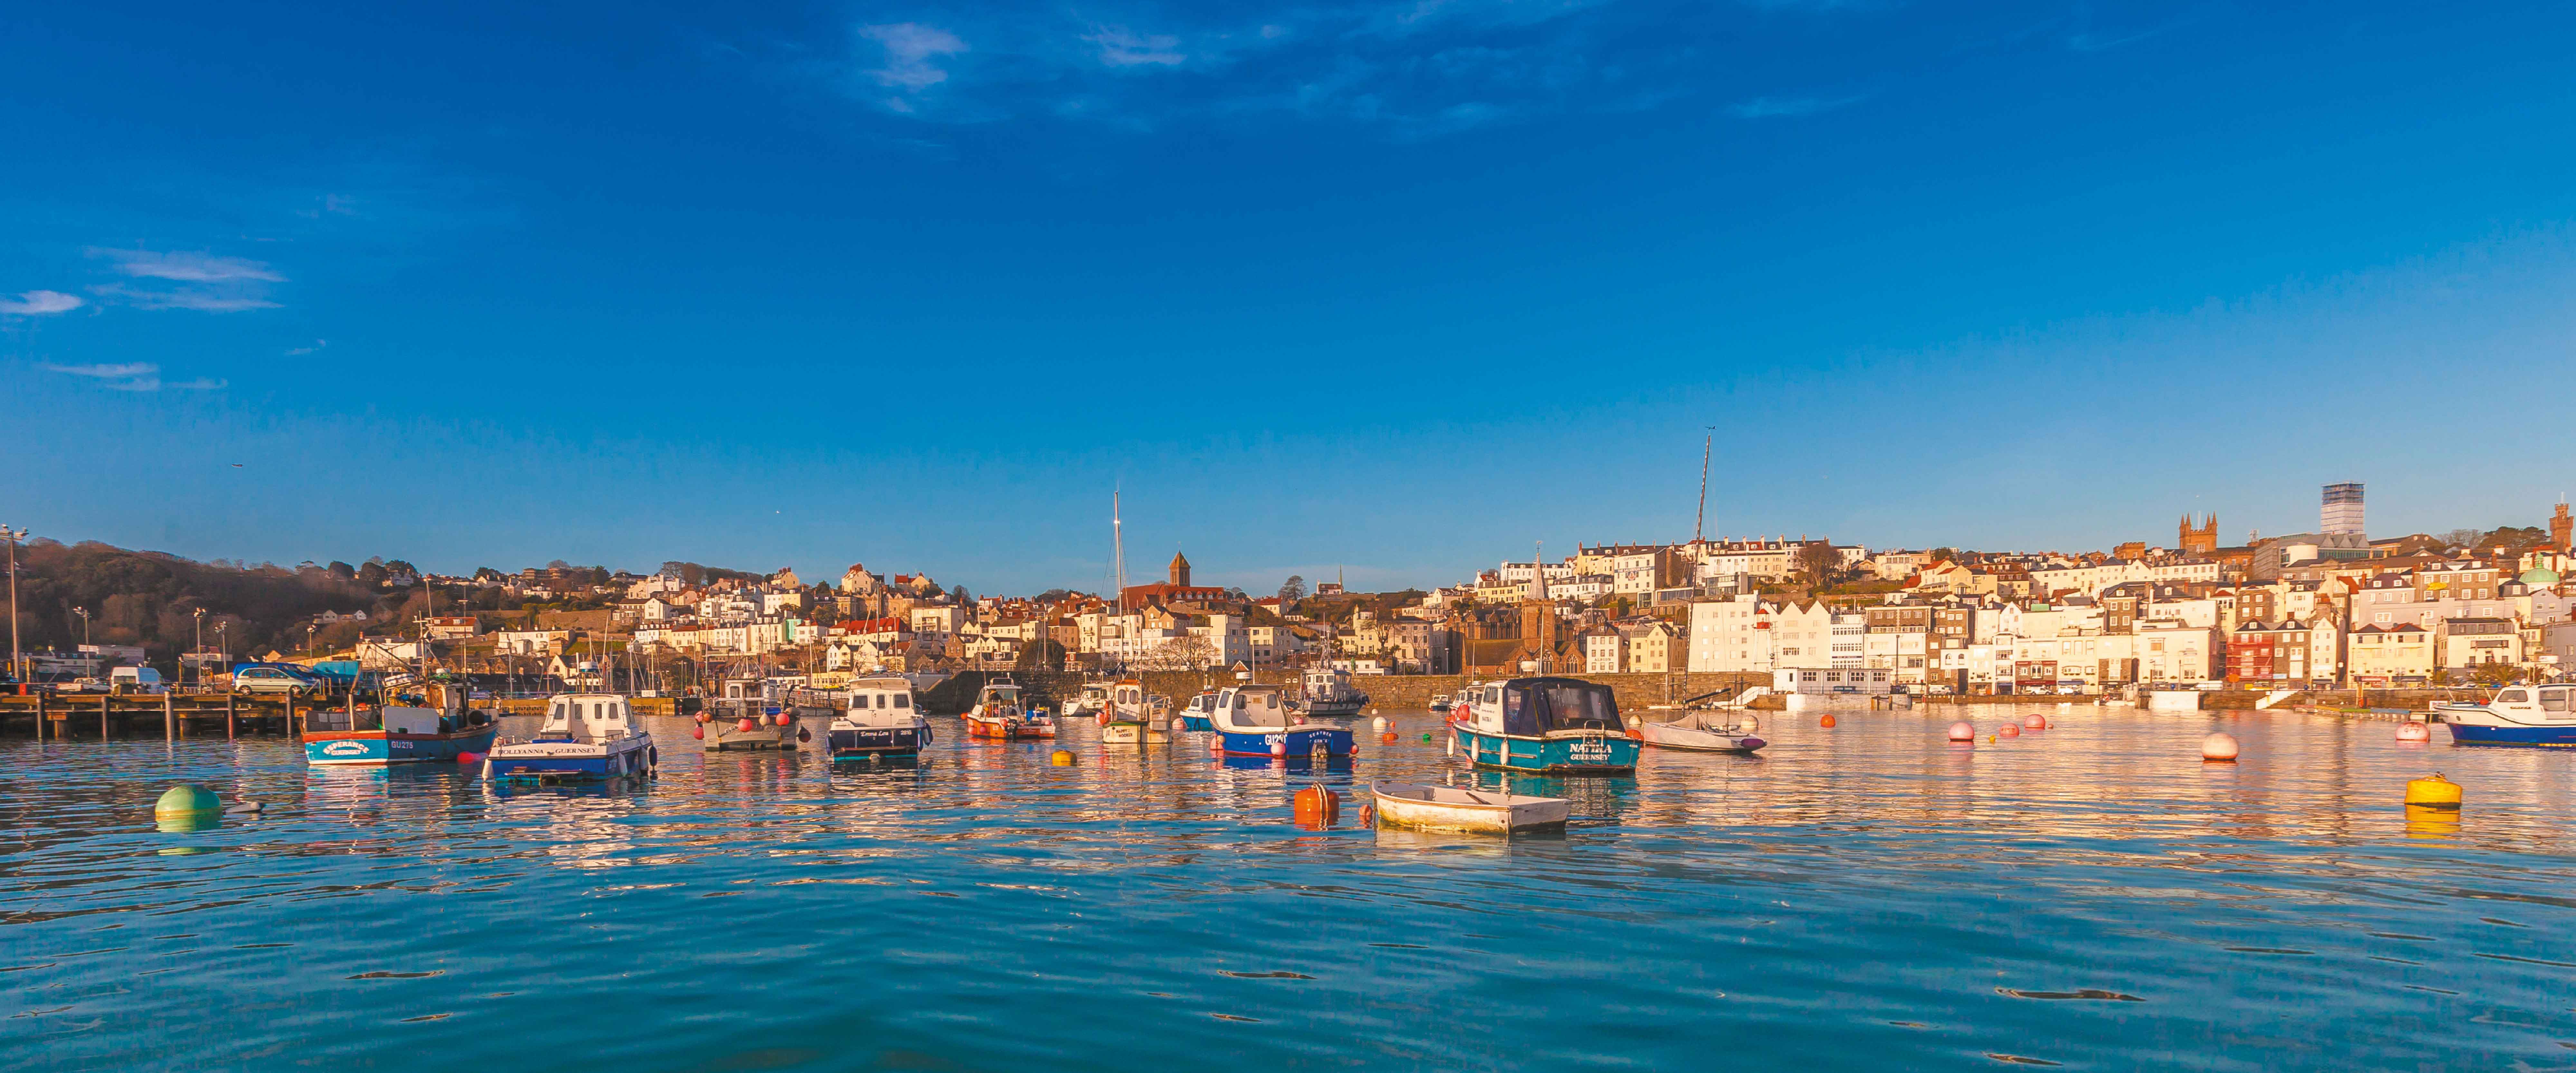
1293 589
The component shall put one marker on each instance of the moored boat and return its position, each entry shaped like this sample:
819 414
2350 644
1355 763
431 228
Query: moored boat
1549 726
1093 701
1257 721
436 730
1695 733
2516 715
1454 808
1196 716
586 737
879 719
1326 692
998 713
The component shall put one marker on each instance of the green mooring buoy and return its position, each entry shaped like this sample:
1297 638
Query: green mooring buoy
186 799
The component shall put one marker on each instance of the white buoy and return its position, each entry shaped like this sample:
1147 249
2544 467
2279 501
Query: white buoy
2218 747
1378 723
2411 730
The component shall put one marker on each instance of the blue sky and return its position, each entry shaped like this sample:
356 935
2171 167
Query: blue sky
1392 287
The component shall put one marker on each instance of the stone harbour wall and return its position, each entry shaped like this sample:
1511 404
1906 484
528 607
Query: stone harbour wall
1392 693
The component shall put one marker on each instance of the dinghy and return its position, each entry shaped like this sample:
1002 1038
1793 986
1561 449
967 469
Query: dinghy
1454 808
1695 733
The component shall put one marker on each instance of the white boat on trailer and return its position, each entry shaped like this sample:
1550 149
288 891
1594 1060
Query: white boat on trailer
1457 808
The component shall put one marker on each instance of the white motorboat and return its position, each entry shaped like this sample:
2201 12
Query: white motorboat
1326 692
1697 733
586 737
1455 808
880 719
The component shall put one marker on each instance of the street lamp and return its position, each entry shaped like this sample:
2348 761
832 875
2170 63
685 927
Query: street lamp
17 661
199 652
83 612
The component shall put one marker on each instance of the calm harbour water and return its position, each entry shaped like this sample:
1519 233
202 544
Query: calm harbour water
1862 897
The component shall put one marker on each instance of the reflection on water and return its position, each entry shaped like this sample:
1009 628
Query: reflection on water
1865 896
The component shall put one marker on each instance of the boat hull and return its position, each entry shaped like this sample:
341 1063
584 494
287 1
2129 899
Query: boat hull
1122 733
1590 754
1292 741
378 748
569 762
878 741
1426 808
1695 739
1008 729
2474 734
1197 722
1337 709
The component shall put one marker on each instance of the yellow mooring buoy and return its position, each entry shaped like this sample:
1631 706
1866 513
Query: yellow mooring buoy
2435 792
1062 758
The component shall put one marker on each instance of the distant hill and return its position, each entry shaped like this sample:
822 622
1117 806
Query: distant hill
149 598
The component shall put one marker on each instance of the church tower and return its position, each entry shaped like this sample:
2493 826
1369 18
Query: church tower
2201 539
1180 571
2562 529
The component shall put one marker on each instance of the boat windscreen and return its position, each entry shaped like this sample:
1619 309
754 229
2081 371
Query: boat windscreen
1559 704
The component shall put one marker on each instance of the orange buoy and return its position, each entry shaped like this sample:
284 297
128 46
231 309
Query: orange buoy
2218 747
1826 720
1961 731
704 718
747 725
2034 722
1315 804
2009 731
2411 730
1387 738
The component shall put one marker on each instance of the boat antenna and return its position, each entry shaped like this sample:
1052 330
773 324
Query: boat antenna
1699 526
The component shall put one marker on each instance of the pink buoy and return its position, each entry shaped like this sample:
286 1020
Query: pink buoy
699 733
2008 731
747 725
1961 731
2411 730
704 718
2034 722
1280 747
785 719
2218 748
469 758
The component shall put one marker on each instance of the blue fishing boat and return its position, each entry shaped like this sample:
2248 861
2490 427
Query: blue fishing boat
1197 715
2516 715
1256 721
1547 726
587 737
432 727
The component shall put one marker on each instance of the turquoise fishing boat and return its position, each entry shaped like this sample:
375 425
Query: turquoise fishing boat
1545 726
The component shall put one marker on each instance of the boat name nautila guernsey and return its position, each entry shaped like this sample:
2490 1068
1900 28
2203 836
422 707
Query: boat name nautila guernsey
1555 726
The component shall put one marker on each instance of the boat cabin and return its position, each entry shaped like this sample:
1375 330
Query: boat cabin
2536 703
1003 693
596 716
880 700
1538 707
1127 697
1254 706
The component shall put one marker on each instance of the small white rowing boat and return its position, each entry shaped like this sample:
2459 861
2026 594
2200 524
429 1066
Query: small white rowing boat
1453 808
1694 733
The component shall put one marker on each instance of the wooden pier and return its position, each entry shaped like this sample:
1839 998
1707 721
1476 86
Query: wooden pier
100 716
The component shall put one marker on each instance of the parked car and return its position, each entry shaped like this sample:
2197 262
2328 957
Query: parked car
135 680
82 685
277 679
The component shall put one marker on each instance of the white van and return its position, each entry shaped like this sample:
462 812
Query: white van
135 680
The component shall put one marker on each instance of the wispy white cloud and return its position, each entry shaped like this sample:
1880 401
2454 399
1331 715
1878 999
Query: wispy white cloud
911 53
1775 107
136 376
205 282
188 267
1122 47
38 304
318 344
